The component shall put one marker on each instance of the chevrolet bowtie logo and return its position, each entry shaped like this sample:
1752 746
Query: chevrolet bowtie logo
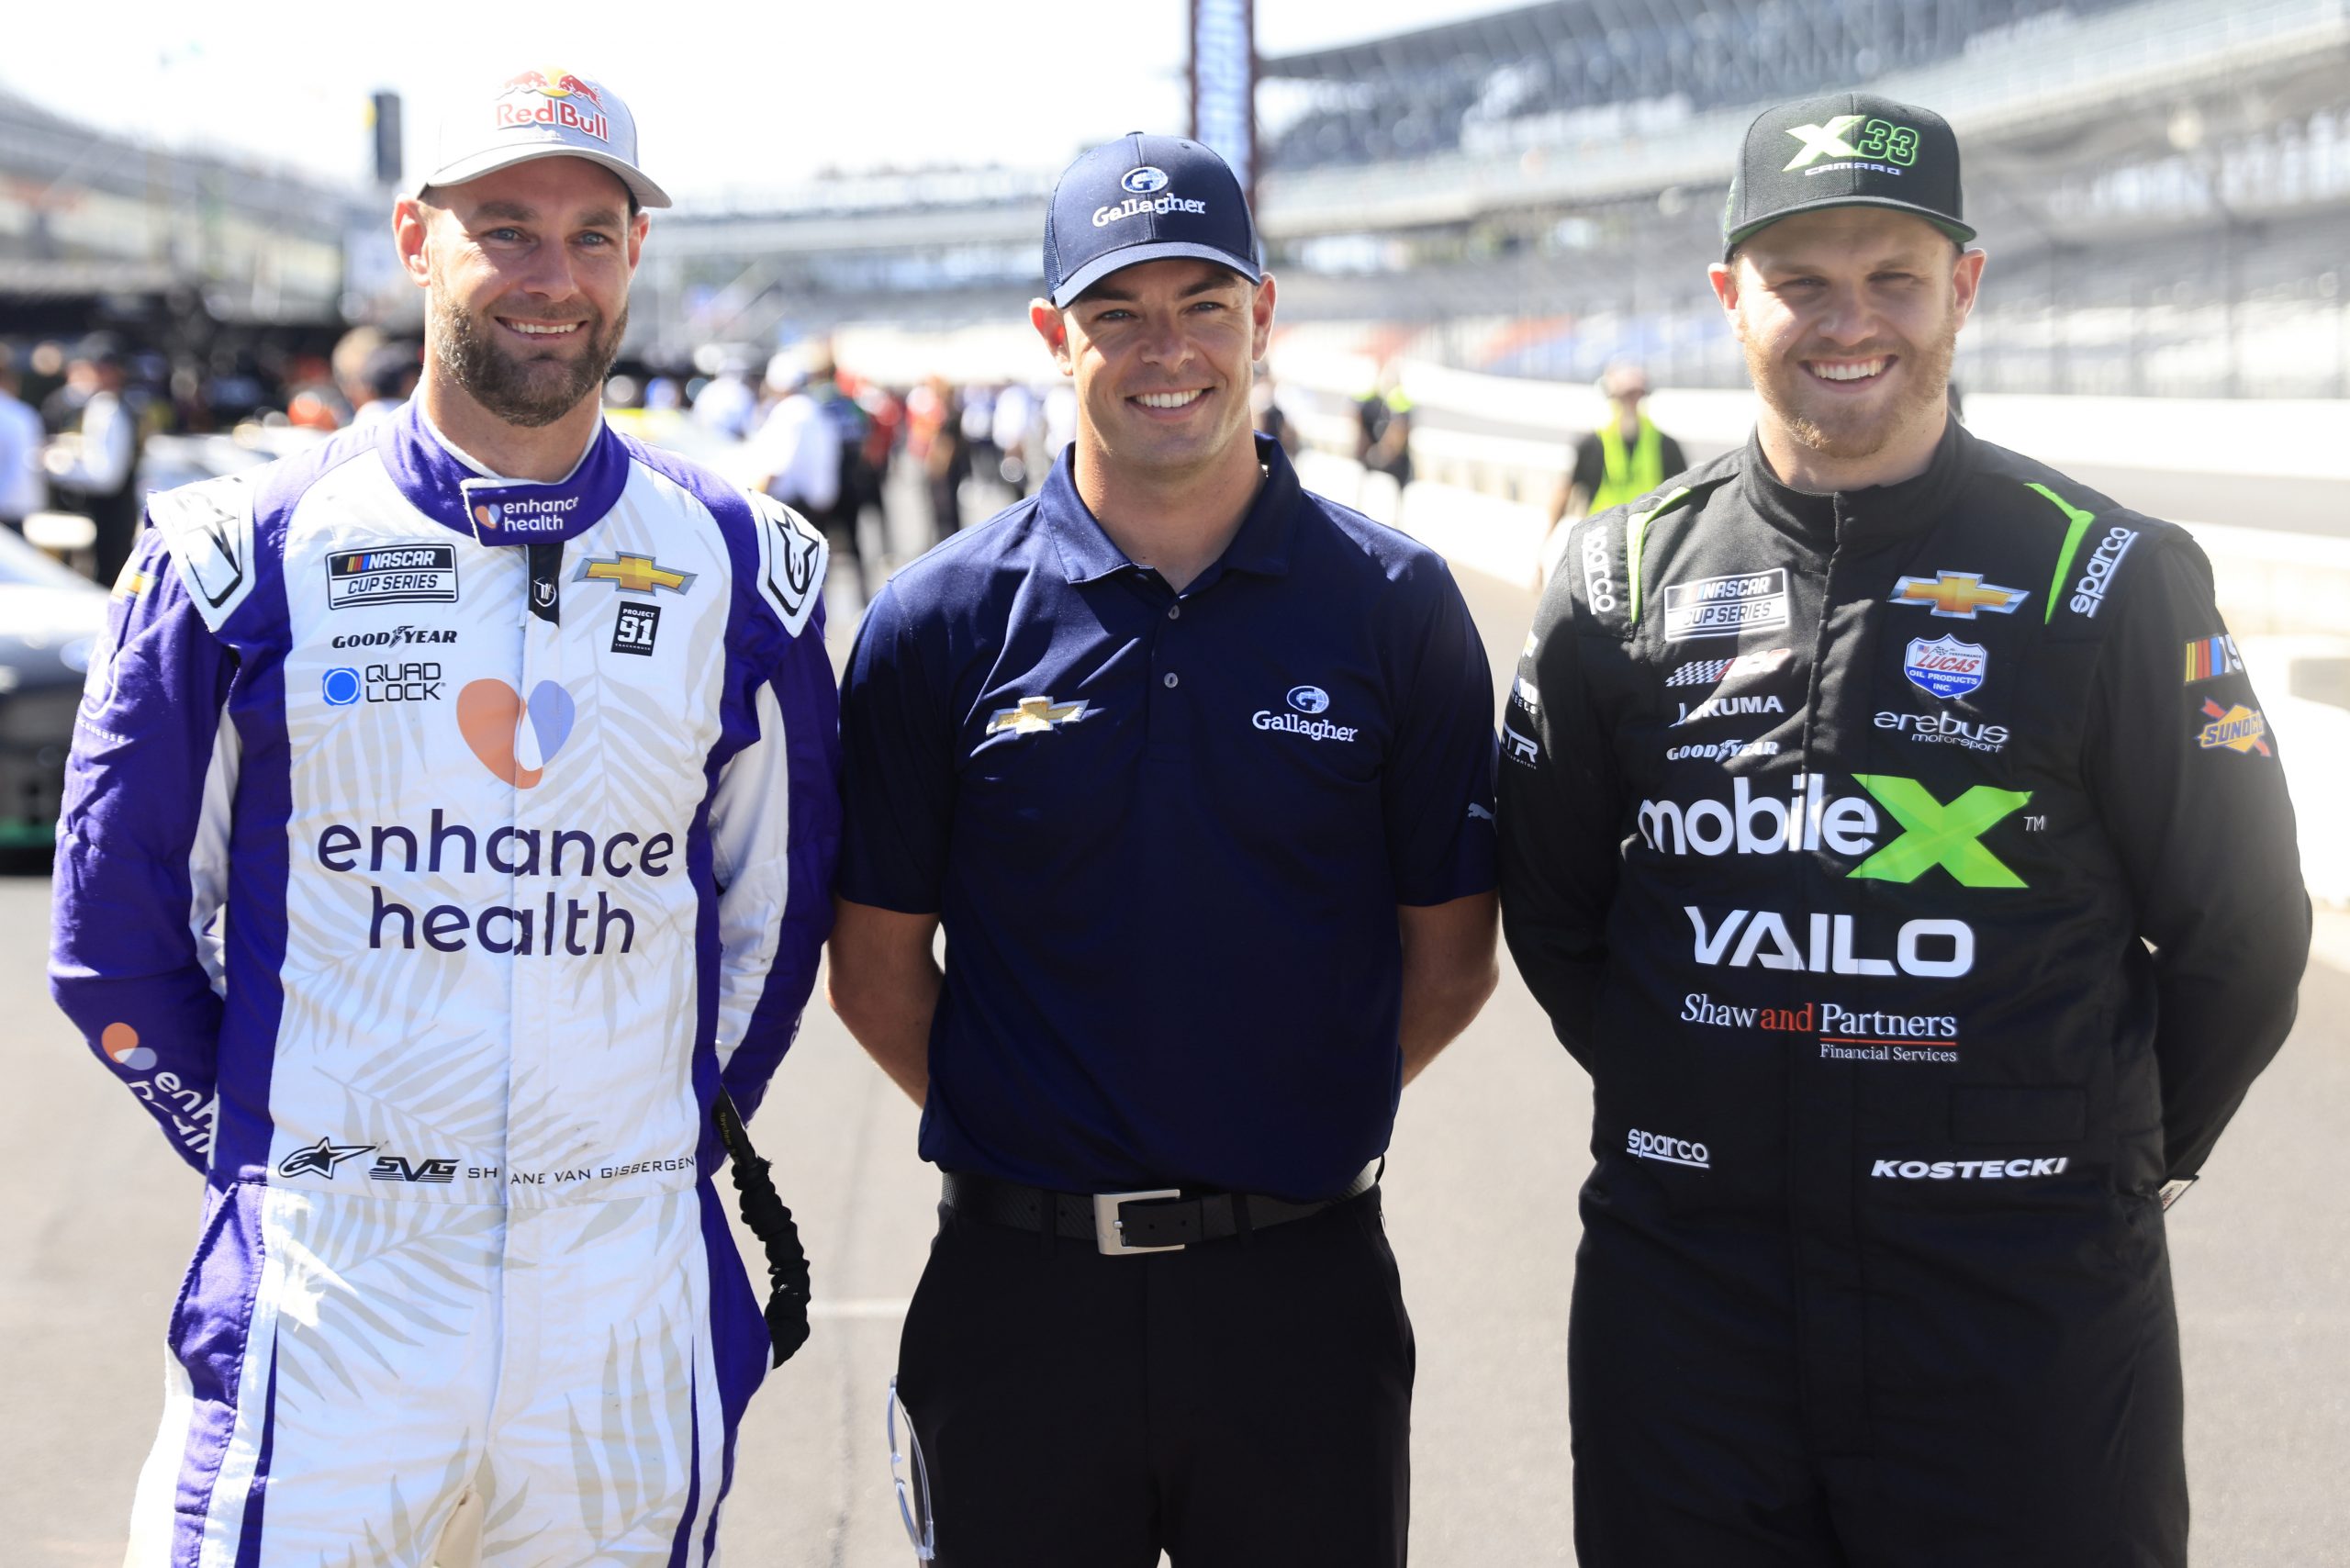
1958 594
633 574
1034 714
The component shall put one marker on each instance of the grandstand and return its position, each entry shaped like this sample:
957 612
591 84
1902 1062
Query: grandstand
87 216
2164 184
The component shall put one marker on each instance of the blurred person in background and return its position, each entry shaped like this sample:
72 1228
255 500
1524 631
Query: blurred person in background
796 453
93 462
503 749
1012 431
1891 830
24 484
1271 419
1191 955
728 403
387 380
1626 456
935 438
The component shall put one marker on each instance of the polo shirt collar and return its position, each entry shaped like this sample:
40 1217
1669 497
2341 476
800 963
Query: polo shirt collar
1262 546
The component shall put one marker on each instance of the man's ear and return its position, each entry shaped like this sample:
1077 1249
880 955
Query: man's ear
1046 320
1966 278
1260 320
412 228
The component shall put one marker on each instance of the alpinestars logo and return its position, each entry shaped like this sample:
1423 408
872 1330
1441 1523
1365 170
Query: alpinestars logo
320 1157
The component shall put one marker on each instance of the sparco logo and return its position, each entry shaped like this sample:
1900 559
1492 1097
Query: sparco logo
1670 1150
398 637
2088 594
1597 586
1968 1169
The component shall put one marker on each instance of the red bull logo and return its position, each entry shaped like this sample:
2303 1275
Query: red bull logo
565 99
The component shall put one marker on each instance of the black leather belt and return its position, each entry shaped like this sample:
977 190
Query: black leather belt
1161 1220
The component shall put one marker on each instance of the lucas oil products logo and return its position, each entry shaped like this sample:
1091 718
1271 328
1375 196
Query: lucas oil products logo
1945 667
553 97
1933 833
396 574
1307 700
1725 606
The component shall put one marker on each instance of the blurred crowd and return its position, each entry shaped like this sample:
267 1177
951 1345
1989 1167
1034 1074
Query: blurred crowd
89 428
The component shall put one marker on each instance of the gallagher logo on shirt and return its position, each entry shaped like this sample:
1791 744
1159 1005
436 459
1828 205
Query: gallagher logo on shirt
1308 701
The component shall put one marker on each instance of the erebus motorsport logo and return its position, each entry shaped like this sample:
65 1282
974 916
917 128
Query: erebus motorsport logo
1934 833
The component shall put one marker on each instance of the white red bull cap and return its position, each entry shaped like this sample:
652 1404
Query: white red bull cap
540 114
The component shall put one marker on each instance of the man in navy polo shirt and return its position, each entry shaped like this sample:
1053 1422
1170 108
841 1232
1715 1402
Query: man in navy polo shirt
1195 768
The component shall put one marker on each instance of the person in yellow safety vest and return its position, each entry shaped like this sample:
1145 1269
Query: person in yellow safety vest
1606 472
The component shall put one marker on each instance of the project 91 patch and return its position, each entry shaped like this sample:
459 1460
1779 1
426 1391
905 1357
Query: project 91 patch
634 631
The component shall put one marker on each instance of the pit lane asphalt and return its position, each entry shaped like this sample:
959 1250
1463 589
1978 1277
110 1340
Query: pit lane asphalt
97 1220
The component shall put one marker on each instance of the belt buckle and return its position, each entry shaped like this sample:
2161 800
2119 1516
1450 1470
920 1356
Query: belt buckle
1109 1232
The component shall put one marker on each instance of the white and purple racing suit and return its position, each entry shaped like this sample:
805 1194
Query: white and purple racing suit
435 847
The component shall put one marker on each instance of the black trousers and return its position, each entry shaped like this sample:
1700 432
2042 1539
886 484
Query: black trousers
1241 1404
2022 1409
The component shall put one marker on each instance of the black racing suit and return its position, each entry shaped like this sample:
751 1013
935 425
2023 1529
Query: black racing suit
1912 871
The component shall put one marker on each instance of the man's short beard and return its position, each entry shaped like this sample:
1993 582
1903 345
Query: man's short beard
1929 387
516 391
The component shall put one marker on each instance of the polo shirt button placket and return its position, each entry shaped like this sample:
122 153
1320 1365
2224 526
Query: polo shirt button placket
1174 612
1171 680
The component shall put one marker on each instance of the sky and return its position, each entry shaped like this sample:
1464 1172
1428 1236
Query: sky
726 97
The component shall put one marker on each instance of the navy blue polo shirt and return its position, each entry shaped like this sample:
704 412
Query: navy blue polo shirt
1165 835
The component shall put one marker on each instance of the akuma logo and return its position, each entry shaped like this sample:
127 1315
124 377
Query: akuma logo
492 717
1144 181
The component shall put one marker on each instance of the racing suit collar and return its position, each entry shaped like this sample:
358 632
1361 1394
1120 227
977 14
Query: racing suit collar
1881 511
494 510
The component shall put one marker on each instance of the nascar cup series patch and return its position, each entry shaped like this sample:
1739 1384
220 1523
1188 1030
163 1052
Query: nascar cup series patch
1945 667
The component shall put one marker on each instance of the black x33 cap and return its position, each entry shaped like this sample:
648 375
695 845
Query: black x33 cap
1845 149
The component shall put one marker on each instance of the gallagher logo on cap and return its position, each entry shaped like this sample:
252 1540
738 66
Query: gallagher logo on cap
1144 180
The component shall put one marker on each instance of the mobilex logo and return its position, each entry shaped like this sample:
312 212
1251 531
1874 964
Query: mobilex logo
1948 834
1854 137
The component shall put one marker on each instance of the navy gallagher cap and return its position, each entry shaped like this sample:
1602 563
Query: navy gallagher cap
1845 149
1145 199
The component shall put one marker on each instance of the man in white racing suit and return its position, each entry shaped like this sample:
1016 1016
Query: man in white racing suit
503 748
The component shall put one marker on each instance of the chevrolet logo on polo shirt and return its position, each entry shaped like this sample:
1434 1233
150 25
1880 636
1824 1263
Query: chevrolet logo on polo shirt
1034 715
1958 594
633 574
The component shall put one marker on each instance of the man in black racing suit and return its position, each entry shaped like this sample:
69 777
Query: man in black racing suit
1890 828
